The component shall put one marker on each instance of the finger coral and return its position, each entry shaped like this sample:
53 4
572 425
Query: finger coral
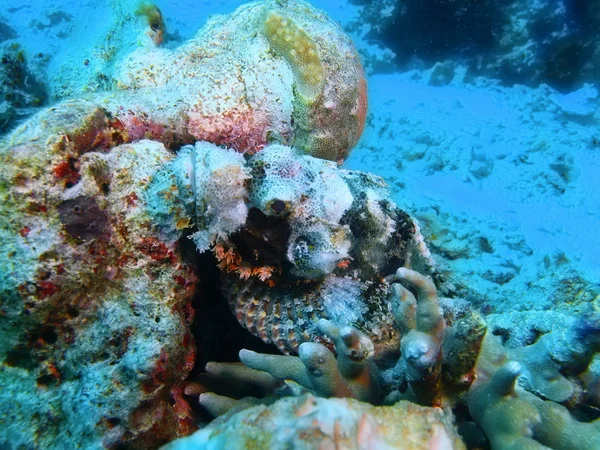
446 358
514 418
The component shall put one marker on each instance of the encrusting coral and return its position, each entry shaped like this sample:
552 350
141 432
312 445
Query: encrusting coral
309 422
90 295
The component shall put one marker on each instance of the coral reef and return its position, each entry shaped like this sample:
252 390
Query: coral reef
520 397
225 152
96 288
517 41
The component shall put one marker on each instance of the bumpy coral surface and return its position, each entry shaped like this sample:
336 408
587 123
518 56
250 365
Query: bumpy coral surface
270 72
95 305
309 423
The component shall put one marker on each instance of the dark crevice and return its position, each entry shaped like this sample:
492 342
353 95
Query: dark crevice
219 337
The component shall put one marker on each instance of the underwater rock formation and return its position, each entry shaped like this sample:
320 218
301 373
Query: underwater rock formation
270 72
308 422
95 305
104 210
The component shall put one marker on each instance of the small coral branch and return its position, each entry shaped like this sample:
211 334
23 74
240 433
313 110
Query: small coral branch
420 362
516 419
317 370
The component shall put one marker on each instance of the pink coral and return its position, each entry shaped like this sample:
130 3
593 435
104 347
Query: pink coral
240 128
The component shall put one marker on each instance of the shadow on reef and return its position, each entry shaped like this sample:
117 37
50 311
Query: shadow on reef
217 333
549 41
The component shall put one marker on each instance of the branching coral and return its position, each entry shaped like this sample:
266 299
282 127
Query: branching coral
421 346
513 418
446 358
352 374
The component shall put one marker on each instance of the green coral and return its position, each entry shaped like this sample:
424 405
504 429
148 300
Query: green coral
292 42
